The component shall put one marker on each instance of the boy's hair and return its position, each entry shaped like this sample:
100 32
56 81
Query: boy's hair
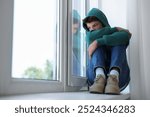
76 21
90 19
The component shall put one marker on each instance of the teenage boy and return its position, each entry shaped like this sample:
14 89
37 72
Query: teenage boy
107 71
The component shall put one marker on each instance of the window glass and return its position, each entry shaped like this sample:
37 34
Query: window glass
78 39
35 32
79 48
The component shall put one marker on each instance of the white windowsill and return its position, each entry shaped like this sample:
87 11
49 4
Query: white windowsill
84 95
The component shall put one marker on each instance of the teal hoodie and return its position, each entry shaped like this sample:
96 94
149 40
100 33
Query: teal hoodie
77 35
106 35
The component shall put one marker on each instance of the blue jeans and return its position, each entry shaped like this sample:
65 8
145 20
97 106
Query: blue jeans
108 57
76 66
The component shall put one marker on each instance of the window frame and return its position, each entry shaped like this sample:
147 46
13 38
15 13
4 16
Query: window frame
9 85
75 81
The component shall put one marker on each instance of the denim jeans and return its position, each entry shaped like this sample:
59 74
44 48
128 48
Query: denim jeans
108 57
76 66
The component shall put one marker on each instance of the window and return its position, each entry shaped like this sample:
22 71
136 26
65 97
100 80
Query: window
35 37
37 44
30 41
79 48
77 44
78 39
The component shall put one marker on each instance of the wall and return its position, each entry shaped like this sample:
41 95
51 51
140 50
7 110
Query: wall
138 23
145 38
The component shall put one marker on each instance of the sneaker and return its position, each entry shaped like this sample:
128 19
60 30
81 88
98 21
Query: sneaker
99 85
112 86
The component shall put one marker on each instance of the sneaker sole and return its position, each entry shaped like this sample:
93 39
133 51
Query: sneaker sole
112 93
95 92
112 90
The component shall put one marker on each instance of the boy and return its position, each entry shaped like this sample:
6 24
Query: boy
107 70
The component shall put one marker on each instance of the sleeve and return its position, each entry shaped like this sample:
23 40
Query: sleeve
99 33
117 38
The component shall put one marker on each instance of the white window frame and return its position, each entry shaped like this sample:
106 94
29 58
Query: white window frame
9 85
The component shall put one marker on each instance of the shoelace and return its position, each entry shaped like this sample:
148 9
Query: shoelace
97 78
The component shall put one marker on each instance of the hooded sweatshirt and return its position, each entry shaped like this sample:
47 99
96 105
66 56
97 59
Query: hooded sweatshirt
106 35
77 35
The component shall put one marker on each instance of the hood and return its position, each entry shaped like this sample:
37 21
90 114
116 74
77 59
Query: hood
100 15
76 16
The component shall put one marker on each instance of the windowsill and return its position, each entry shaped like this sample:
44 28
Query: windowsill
84 95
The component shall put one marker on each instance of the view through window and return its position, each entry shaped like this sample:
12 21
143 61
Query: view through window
35 32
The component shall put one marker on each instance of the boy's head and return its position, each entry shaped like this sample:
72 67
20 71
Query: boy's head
92 23
94 20
75 26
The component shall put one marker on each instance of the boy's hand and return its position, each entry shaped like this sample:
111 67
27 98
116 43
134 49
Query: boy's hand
92 48
120 29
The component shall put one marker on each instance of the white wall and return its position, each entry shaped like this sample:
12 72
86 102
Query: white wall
145 38
138 24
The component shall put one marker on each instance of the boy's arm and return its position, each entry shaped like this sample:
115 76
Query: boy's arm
100 32
121 37
118 38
